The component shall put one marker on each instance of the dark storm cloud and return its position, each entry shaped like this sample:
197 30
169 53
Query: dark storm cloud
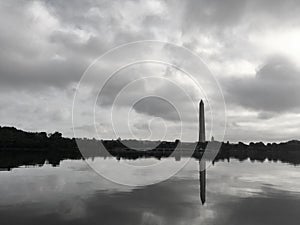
38 75
151 96
47 43
226 13
228 26
115 87
103 25
274 89
141 126
157 107
211 13
27 59
105 22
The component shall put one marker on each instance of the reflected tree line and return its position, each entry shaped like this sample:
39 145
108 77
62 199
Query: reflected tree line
20 148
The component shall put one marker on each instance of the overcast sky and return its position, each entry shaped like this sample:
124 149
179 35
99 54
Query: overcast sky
251 46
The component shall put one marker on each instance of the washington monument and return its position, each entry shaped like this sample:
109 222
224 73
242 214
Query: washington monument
201 122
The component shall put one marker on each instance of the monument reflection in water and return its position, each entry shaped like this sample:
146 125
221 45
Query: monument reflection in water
202 177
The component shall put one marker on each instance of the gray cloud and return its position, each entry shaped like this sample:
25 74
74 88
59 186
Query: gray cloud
274 89
100 25
227 13
157 107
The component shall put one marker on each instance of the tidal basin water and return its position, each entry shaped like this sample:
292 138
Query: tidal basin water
71 193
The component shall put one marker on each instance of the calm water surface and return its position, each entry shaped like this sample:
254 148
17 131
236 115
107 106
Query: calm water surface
237 193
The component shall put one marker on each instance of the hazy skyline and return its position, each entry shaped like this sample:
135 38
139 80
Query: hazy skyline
252 47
